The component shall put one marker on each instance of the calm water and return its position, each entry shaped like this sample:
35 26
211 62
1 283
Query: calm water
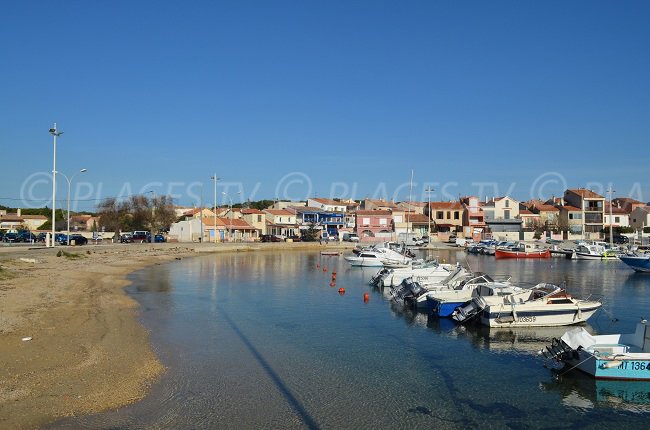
260 340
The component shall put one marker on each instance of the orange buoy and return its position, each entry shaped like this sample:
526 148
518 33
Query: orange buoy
341 291
333 275
366 297
324 268
332 284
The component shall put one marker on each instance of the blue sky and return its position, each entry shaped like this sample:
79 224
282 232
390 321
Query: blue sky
289 99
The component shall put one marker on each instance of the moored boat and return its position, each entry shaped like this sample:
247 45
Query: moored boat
612 356
525 253
640 263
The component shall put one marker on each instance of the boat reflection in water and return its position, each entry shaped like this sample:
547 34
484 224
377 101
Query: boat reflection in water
519 340
583 392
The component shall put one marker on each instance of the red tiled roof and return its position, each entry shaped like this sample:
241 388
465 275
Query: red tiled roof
525 212
328 202
571 208
279 212
381 202
417 218
375 213
547 208
252 211
585 193
446 205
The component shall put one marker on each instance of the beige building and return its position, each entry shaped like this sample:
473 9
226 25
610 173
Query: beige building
640 217
592 206
255 218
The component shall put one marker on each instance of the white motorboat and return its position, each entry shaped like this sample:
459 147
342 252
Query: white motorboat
544 305
376 258
593 251
427 272
611 356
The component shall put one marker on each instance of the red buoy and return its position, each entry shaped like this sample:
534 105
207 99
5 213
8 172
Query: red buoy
366 297
332 284
317 265
341 291
324 268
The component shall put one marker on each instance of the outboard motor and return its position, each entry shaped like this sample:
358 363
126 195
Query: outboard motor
415 291
469 310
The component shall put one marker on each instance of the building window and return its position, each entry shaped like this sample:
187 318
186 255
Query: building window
259 218
448 215
507 203
506 213
617 219
382 221
365 221
439 215
456 215
398 218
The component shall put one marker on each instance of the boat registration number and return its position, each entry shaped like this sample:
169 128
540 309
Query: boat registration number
527 319
634 365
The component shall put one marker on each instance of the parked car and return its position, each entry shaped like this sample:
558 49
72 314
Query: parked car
139 237
78 239
293 238
621 240
159 238
10 237
270 238
350 237
26 236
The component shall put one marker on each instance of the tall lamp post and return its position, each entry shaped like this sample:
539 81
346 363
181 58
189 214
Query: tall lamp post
429 190
215 178
69 187
56 134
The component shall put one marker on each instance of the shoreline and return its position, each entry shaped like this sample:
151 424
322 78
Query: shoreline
88 352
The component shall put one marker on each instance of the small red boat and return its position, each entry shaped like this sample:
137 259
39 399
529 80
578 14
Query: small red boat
538 253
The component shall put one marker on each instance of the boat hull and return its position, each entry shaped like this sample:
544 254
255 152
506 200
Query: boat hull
507 316
443 308
502 253
611 366
364 262
639 264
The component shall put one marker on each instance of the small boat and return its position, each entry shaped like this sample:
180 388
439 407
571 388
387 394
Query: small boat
610 356
528 251
428 272
547 306
544 305
443 303
376 258
330 253
640 263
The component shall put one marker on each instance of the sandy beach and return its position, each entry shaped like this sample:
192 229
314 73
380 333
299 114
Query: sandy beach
84 349
87 351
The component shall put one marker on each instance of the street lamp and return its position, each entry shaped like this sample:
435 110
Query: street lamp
214 178
69 186
56 134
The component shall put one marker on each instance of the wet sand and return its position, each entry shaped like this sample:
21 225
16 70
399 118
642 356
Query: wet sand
87 353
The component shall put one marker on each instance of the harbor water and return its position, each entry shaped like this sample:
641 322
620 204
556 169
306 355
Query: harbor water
264 340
